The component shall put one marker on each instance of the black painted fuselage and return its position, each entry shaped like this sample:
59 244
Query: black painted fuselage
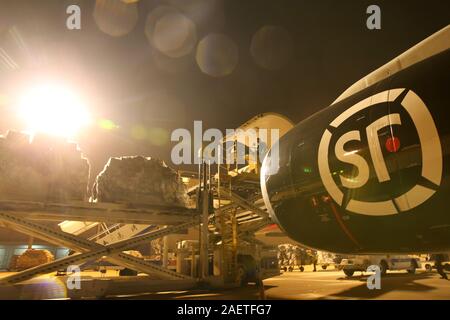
370 173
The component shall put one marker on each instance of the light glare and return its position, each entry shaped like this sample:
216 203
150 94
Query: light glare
53 110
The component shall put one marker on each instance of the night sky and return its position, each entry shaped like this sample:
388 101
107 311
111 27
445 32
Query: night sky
317 50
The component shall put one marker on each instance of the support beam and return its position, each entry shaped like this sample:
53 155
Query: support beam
165 258
53 266
254 226
204 250
113 251
141 265
246 204
98 212
47 233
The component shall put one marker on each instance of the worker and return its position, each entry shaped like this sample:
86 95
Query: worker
259 282
440 267
314 258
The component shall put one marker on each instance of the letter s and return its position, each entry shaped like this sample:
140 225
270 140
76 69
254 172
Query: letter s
354 159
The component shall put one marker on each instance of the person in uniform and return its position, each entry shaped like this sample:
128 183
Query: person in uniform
440 267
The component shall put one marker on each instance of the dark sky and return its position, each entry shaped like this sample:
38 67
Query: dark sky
325 48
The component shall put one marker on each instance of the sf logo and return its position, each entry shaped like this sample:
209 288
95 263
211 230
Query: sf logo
431 154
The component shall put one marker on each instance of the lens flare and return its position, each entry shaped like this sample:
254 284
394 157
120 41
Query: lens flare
116 18
217 55
54 110
272 47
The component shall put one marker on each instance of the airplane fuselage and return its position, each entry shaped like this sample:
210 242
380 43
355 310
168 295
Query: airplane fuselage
370 173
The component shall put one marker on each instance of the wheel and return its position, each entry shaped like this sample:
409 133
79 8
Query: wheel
348 273
291 269
383 268
428 267
324 267
413 268
127 272
284 269
302 269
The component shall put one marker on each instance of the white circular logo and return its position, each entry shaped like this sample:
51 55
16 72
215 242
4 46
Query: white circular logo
429 143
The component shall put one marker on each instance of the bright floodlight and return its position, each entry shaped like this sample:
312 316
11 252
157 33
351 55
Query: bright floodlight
54 110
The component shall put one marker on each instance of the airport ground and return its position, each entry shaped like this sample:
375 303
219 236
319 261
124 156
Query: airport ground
328 284
296 285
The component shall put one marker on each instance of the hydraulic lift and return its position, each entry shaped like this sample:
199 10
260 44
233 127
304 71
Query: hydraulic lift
229 210
25 217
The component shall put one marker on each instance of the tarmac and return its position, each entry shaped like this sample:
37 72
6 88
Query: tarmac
323 285
296 285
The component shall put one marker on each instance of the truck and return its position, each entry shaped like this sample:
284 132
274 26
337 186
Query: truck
431 261
384 262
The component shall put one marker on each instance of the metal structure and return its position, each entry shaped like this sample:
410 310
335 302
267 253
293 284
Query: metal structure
89 249
229 210
233 219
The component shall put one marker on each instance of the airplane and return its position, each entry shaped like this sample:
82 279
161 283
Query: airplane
370 174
